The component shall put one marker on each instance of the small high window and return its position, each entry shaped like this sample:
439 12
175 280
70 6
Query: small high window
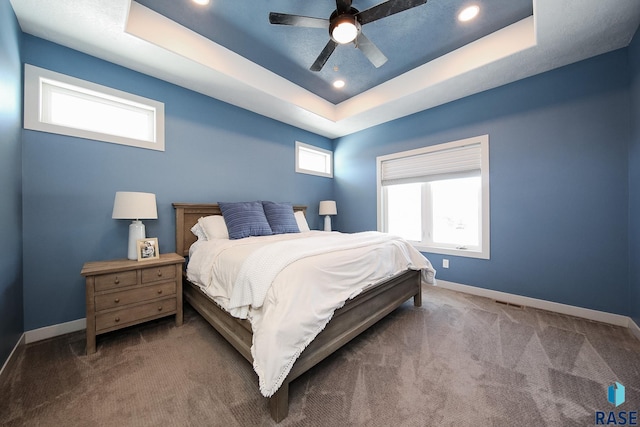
65 105
313 160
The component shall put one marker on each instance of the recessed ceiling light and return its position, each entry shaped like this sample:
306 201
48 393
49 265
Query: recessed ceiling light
201 2
468 13
338 84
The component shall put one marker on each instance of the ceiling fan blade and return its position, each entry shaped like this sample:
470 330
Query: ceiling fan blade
371 51
298 21
385 9
324 55
343 6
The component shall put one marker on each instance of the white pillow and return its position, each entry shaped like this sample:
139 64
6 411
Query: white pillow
302 221
214 227
198 231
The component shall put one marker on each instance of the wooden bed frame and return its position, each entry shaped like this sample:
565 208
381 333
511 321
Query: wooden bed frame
353 318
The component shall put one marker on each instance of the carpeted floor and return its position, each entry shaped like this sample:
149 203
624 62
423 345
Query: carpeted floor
459 360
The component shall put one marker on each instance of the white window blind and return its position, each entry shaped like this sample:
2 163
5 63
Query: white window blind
450 163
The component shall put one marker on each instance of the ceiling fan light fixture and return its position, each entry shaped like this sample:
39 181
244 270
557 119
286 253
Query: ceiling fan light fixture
344 29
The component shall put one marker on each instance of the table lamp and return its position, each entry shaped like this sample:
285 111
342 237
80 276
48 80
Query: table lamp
328 207
135 206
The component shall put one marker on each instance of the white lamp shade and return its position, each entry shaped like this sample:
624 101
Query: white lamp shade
328 207
133 205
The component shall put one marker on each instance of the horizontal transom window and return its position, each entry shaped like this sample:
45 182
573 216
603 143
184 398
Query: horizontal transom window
65 105
313 160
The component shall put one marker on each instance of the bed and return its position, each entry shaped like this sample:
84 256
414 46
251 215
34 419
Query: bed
354 317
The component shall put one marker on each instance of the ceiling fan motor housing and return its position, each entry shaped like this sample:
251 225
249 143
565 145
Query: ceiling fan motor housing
344 27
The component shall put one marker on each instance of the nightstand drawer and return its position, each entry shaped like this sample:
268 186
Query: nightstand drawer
134 314
115 280
117 299
154 274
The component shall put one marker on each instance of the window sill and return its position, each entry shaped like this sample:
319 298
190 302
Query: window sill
455 252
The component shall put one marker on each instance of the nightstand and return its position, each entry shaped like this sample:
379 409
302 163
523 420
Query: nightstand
122 293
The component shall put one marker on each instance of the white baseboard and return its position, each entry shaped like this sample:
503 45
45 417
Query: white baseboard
55 330
585 313
44 333
600 316
20 342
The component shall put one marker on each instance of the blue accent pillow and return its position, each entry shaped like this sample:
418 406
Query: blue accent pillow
280 217
245 219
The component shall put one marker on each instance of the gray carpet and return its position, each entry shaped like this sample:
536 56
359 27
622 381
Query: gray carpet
459 360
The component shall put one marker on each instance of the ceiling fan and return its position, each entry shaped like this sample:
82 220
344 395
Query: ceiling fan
345 26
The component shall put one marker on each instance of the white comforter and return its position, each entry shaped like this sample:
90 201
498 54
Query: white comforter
289 285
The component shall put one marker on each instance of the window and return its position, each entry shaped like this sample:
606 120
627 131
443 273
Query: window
65 105
438 197
313 160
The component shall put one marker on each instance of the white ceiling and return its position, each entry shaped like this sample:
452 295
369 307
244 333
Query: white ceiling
126 33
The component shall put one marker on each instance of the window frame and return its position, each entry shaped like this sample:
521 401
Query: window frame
34 113
328 153
485 233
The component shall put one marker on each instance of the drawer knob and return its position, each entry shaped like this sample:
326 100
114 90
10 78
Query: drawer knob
116 281
117 319
159 273
117 300
159 291
160 308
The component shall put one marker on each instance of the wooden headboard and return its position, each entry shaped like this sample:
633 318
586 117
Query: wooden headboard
187 214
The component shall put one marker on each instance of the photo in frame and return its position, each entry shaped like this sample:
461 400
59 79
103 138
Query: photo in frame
148 249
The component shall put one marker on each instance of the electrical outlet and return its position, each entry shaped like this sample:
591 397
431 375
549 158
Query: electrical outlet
445 263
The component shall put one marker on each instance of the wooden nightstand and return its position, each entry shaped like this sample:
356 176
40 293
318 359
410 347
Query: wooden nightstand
122 293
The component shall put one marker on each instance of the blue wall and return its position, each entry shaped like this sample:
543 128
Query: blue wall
214 152
11 314
634 183
564 158
558 175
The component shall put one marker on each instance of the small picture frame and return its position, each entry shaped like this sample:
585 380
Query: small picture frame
148 249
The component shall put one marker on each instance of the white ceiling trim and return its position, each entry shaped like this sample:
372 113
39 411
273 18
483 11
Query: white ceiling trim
227 76
129 34
243 83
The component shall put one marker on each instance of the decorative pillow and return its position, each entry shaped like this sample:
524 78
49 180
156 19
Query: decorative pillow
214 227
302 221
280 217
198 231
245 219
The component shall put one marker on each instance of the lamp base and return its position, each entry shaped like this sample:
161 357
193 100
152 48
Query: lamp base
136 232
327 223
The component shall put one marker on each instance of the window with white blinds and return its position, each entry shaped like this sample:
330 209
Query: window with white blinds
437 197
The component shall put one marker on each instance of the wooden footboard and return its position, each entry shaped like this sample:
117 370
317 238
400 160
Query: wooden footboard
356 316
347 323
353 318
